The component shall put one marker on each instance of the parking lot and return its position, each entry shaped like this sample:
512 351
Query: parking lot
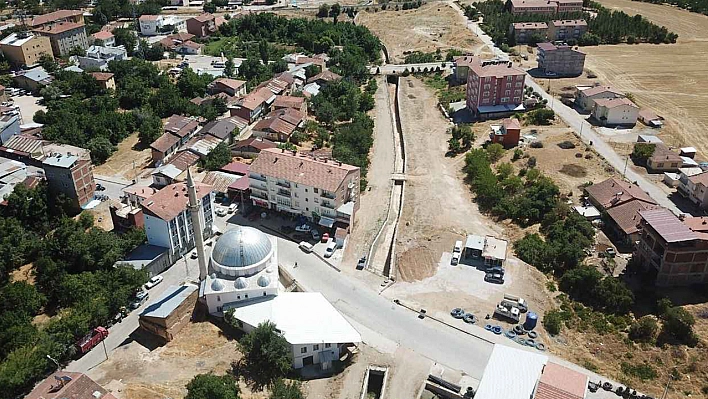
28 107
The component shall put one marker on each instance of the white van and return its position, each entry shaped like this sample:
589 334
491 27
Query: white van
306 246
456 253
329 251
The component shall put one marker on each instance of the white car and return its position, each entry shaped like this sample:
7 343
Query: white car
220 212
233 208
153 282
305 228
329 251
306 246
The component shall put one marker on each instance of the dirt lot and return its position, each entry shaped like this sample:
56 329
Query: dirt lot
128 155
425 29
669 79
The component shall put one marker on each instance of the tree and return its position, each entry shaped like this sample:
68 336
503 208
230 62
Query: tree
229 68
334 11
149 126
286 390
263 51
589 39
678 325
495 152
218 157
192 84
644 329
542 116
553 321
48 62
127 38
210 386
266 354
642 152
323 11
453 146
209 7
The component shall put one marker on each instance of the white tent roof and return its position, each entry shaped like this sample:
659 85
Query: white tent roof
510 374
303 317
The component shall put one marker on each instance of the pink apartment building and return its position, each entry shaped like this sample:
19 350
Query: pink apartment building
494 88
544 6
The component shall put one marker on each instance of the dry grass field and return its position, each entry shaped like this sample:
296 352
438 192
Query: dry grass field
428 28
670 79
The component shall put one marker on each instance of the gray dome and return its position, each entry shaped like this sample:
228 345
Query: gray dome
263 281
241 283
217 285
241 246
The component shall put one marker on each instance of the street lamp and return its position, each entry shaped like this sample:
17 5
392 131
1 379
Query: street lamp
55 362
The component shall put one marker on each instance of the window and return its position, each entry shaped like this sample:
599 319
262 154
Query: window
315 347
505 99
238 297
218 298
315 190
245 296
305 190
219 308
264 294
507 92
303 349
307 200
317 200
509 78
328 345
508 85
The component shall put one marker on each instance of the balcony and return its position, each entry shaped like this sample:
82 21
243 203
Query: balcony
329 195
327 204
283 184
258 194
259 187
284 193
257 177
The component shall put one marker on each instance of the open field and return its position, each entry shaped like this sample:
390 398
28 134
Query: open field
426 29
127 157
669 79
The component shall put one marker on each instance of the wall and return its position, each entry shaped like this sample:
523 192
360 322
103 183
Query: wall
157 231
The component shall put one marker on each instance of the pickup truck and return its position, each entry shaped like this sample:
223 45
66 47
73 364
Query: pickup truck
509 314
515 301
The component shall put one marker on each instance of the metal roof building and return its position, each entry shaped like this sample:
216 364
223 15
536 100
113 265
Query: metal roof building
169 312
510 374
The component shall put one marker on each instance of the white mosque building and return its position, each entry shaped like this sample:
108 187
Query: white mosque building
243 278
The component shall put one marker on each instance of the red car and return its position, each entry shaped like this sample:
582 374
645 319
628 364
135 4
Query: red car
325 237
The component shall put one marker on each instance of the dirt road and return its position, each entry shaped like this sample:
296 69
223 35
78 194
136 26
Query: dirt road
438 207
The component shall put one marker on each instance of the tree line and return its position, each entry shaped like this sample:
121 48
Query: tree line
75 282
607 27
699 6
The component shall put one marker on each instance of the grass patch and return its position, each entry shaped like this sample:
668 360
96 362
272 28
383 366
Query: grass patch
642 371
444 92
574 170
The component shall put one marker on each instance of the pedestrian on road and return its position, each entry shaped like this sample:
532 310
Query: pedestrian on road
295 265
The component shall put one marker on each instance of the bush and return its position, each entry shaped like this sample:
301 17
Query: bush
495 152
542 116
642 152
553 322
678 324
642 371
518 153
566 145
536 144
643 330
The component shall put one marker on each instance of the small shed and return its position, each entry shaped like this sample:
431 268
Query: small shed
689 152
647 138
671 179
589 212
474 245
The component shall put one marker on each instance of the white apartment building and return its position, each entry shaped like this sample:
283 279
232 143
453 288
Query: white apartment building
167 220
151 25
300 184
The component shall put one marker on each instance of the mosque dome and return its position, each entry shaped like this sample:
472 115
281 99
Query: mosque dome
241 251
263 281
241 283
217 285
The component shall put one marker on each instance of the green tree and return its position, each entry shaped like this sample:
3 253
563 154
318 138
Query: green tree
453 146
48 62
553 322
495 152
210 386
334 11
217 157
642 152
678 325
101 148
542 116
127 38
149 126
191 84
209 7
263 51
229 67
266 354
286 390
644 329
323 11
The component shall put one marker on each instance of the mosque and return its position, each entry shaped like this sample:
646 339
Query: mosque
242 277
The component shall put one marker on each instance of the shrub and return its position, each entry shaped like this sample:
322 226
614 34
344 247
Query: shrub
642 152
642 371
678 324
643 330
542 116
495 152
566 145
537 144
518 153
553 322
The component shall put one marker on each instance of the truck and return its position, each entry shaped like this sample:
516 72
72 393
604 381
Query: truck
510 314
456 253
91 339
515 301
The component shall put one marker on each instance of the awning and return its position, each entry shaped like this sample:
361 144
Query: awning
262 203
326 222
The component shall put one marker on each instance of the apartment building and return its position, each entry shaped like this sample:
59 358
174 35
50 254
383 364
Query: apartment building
103 38
64 36
299 184
524 30
564 6
59 16
695 188
25 49
518 7
566 29
204 25
70 175
586 98
168 222
462 67
560 59
506 134
494 88
98 57
151 25
674 249
255 104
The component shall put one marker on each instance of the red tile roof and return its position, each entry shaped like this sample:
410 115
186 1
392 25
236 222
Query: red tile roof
75 386
58 28
667 225
164 142
204 17
558 382
172 200
615 102
102 35
184 159
180 125
255 142
600 89
149 17
276 125
255 98
626 216
240 184
233 84
327 76
613 192
288 101
102 76
236 167
701 178
511 123
54 16
301 169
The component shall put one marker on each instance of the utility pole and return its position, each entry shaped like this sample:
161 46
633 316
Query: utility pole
626 160
55 362
666 389
104 348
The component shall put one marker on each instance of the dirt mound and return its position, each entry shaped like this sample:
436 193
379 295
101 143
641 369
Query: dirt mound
574 170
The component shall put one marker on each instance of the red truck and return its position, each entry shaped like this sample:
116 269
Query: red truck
92 339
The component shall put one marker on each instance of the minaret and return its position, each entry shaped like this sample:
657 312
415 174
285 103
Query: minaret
195 207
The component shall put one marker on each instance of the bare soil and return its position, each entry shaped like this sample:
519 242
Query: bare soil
121 163
669 79
425 29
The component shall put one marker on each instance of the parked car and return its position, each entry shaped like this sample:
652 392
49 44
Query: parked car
610 252
233 208
494 278
329 251
220 211
362 263
303 228
154 281
496 269
325 237
315 235
306 246
139 299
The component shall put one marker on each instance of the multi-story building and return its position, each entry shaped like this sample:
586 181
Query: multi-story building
59 16
518 7
25 49
615 112
565 6
204 25
494 88
168 222
506 134
98 57
232 87
298 184
462 67
524 30
9 127
255 104
69 175
566 29
103 38
151 25
560 59
64 36
586 98
674 249
695 188
664 160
